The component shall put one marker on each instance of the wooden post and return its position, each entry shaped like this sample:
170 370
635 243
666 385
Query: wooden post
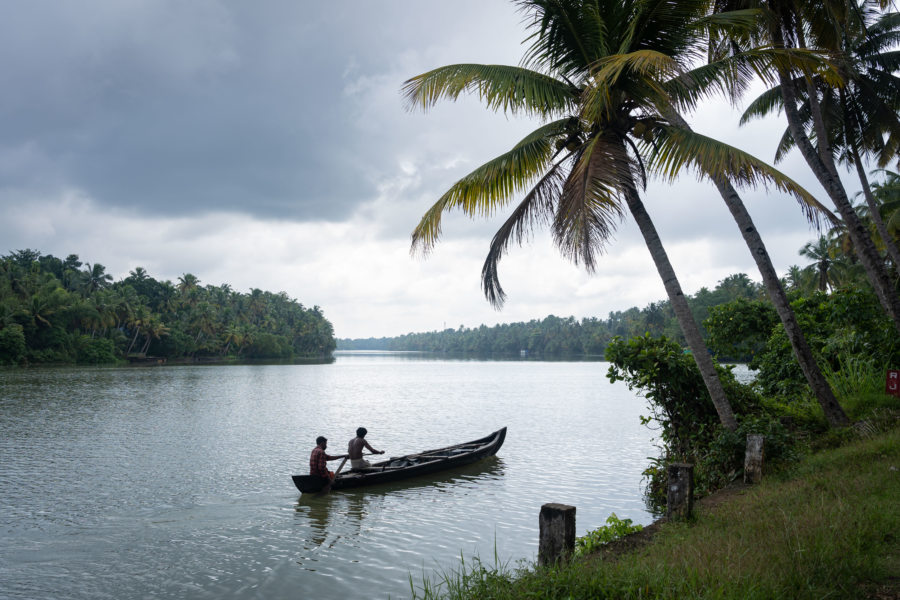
680 495
753 458
557 533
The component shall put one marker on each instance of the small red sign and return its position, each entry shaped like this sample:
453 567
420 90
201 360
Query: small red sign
892 385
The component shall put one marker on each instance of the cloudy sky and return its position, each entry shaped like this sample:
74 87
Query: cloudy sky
266 145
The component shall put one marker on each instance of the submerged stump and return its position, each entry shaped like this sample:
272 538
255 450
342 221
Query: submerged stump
557 533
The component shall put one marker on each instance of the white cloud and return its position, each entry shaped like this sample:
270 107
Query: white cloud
269 146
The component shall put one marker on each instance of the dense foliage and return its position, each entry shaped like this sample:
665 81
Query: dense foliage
681 410
847 324
850 336
63 310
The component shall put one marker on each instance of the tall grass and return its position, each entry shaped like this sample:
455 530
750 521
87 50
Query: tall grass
826 529
854 375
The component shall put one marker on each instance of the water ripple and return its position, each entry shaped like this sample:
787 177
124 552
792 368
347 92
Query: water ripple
174 482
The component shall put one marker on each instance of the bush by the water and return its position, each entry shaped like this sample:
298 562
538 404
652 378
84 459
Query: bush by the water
689 428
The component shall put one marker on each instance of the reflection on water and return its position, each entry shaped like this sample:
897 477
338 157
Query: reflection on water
343 512
417 355
174 482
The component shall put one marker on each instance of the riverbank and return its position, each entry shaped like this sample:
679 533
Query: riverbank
826 527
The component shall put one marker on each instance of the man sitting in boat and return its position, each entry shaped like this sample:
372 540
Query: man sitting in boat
355 448
318 458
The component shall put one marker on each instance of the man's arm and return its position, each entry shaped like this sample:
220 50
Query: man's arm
371 449
329 457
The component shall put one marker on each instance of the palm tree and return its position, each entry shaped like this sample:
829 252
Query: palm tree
153 329
626 103
821 252
95 277
786 24
887 194
189 290
138 275
49 300
137 320
861 115
234 334
802 280
772 284
608 78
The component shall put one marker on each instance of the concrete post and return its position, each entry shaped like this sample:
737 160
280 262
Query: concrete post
557 533
680 495
753 458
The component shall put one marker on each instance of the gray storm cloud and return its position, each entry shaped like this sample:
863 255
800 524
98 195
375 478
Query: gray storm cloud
181 108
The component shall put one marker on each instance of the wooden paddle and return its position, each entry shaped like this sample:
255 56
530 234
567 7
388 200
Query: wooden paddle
327 488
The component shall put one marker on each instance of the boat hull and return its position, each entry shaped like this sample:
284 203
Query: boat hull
411 465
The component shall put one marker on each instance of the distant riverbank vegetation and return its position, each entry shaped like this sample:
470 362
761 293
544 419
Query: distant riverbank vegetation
56 310
836 307
565 337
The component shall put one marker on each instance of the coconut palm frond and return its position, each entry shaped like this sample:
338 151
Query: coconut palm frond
785 145
665 24
533 210
734 23
627 72
727 77
568 36
881 36
647 63
678 148
804 63
589 210
509 89
492 184
770 101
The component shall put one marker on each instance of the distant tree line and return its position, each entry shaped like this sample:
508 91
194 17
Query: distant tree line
56 310
833 266
566 336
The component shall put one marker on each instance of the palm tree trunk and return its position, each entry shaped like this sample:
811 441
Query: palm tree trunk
830 406
832 409
889 244
682 310
133 340
823 141
862 242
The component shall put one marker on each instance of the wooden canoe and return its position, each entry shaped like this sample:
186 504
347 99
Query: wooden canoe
411 465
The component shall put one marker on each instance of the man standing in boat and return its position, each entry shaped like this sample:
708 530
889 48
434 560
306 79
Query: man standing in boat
318 459
355 449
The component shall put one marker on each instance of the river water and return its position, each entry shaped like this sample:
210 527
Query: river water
174 481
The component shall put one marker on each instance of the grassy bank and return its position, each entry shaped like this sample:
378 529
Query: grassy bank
829 527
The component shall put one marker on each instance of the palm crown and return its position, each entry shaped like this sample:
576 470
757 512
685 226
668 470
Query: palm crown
607 77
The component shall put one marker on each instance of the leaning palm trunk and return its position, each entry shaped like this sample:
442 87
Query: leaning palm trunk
832 409
133 340
830 406
827 176
886 237
682 310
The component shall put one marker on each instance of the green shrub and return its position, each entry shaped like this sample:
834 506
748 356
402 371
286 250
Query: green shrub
95 350
722 461
846 325
12 344
740 329
690 430
670 380
269 345
614 529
